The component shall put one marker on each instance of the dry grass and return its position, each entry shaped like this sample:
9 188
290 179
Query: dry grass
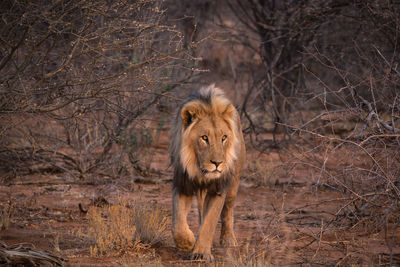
249 257
6 213
112 232
148 260
151 224
263 173
121 227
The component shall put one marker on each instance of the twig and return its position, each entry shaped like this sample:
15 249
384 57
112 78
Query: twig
392 243
320 238
17 254
341 260
386 61
232 66
372 114
323 114
384 173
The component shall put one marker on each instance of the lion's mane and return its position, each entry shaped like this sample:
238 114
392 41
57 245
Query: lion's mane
210 101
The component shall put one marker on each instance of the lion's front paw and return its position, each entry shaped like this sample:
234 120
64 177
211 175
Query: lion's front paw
184 240
207 257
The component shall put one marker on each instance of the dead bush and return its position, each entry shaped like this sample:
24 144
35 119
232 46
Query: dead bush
78 78
330 79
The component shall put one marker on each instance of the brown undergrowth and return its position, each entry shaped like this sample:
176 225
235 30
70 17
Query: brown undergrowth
125 227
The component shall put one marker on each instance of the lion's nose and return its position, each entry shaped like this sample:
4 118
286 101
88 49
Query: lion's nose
216 163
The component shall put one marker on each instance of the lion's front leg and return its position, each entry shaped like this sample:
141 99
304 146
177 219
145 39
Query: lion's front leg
201 195
212 209
183 236
228 238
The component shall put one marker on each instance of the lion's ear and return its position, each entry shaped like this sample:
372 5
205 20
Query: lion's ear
188 114
229 111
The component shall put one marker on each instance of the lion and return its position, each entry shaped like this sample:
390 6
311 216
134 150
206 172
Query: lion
207 153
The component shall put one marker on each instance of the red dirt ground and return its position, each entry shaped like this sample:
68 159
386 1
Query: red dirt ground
283 222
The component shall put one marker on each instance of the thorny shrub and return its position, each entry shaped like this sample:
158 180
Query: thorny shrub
330 77
77 77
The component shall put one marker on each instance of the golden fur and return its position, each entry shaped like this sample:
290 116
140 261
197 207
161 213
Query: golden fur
207 153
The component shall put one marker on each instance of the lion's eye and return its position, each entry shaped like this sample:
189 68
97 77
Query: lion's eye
204 138
224 138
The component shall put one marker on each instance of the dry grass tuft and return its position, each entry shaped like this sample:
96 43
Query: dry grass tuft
121 227
151 224
249 257
6 213
263 173
112 231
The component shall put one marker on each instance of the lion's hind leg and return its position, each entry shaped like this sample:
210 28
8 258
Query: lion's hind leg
183 236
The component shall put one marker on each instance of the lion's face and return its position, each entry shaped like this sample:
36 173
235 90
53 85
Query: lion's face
208 141
211 141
